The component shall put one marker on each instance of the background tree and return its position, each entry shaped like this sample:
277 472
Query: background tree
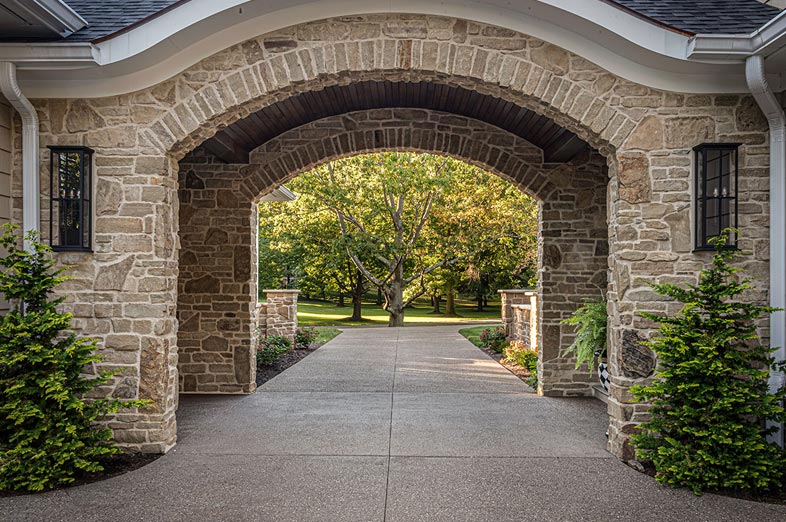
387 226
408 224
302 238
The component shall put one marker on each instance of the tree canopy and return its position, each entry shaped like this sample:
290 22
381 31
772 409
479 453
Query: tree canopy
407 224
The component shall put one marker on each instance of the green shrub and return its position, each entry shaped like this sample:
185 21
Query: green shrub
271 348
48 430
590 321
712 398
494 339
305 337
518 353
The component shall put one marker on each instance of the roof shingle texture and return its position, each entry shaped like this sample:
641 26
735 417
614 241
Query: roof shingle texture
105 17
693 16
705 16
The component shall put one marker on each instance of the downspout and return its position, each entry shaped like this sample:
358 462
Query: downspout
757 83
30 173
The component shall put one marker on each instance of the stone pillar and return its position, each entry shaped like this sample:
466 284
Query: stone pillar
123 294
217 290
278 314
524 326
573 265
509 301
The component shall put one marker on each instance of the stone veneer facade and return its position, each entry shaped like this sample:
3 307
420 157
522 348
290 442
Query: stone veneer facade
634 214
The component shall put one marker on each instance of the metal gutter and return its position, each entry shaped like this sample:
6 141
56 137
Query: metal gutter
30 172
764 41
757 82
50 55
55 15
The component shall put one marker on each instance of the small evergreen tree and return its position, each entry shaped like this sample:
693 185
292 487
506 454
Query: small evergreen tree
711 397
48 433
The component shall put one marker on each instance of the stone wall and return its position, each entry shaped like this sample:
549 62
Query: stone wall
125 292
277 315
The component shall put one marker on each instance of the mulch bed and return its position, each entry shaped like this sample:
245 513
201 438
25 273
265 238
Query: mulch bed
292 357
519 371
114 466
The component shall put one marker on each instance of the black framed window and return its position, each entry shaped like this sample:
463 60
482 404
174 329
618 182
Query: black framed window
716 192
70 206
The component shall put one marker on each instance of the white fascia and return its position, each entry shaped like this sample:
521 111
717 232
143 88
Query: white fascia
614 39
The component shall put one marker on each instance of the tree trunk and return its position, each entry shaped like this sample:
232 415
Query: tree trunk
395 297
450 303
436 299
341 303
357 298
379 297
480 302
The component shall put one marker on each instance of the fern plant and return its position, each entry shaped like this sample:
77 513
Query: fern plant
590 321
48 430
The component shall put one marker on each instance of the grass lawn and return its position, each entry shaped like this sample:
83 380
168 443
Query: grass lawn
326 334
325 313
473 334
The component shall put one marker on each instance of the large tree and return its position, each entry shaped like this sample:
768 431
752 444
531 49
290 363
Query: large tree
403 223
301 240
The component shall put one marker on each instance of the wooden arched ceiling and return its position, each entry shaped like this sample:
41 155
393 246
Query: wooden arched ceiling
234 143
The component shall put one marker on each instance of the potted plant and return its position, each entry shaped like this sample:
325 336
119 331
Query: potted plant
590 345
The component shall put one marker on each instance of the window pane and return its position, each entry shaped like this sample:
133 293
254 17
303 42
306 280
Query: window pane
67 199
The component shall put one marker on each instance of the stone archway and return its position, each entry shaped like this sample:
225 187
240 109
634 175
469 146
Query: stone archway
217 286
125 292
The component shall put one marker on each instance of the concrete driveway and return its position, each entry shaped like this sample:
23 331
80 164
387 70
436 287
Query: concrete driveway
394 425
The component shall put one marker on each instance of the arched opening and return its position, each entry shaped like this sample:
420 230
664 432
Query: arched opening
222 180
552 94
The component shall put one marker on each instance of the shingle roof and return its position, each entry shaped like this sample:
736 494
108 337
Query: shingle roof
705 16
106 17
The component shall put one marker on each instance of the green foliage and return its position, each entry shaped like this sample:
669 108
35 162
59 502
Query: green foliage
711 398
494 339
48 430
590 321
305 337
441 223
271 349
518 353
